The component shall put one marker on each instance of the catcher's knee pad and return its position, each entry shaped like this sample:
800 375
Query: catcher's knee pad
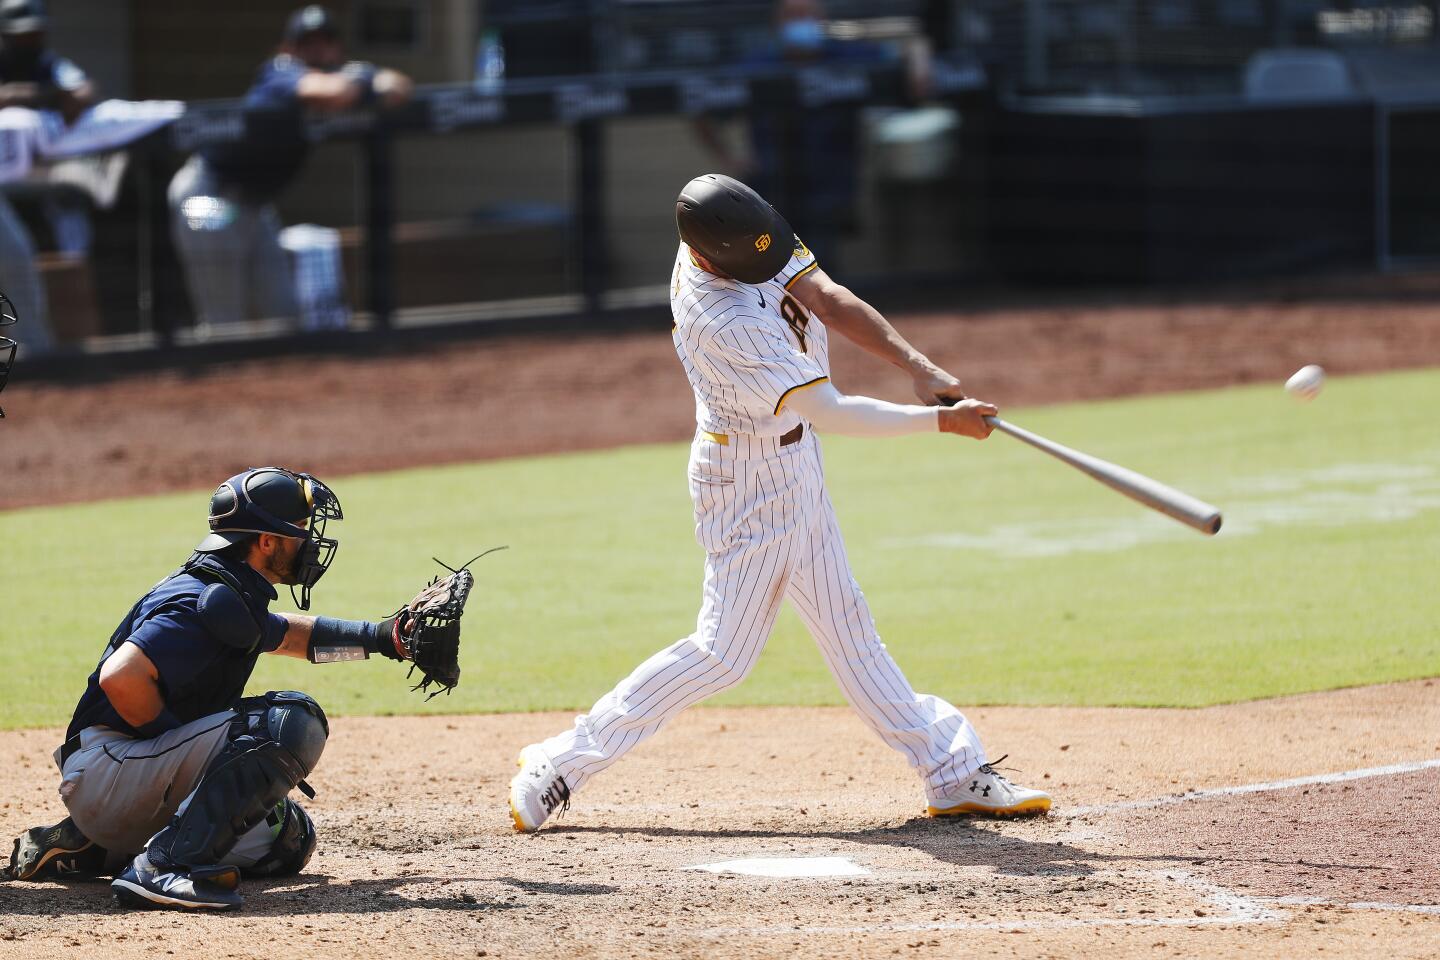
294 845
297 723
275 741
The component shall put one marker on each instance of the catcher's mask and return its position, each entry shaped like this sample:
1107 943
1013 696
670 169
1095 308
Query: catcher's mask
277 501
7 345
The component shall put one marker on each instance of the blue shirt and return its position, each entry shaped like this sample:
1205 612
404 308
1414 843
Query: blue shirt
275 145
199 674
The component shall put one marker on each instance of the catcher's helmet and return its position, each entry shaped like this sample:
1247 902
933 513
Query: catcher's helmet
734 228
7 345
23 16
275 500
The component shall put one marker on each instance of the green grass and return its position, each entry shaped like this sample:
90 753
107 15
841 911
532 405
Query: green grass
1324 577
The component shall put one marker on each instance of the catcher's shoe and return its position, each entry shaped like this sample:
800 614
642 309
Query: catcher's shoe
60 852
537 791
988 794
143 885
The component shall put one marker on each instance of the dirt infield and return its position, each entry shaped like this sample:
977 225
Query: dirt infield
527 395
417 855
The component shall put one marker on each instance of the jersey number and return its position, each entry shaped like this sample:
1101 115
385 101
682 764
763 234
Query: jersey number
796 317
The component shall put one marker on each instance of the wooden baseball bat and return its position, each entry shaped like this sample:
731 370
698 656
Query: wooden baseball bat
1138 487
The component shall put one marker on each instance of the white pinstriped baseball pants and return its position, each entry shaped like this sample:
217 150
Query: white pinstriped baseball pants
769 530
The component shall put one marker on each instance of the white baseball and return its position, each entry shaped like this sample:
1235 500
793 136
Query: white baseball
1306 382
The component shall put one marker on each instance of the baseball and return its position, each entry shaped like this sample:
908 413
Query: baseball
1306 382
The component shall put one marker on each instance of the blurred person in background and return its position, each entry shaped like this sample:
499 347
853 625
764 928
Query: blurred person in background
35 77
222 207
808 160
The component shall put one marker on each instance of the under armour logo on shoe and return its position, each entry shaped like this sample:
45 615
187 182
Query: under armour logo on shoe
975 785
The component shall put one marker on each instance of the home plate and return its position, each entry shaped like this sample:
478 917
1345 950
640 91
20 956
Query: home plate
787 867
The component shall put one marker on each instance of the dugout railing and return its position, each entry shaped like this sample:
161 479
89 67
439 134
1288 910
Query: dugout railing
581 107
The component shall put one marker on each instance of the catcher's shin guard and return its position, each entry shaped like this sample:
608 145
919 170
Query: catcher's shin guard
275 742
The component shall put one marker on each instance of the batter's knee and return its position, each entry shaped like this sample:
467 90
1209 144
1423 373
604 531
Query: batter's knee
727 664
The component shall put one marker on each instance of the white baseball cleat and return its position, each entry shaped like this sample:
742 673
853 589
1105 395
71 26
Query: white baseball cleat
536 791
988 794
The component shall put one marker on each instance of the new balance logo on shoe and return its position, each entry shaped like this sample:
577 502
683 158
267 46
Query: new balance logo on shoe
169 881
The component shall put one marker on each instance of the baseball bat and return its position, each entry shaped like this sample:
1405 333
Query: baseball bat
1138 487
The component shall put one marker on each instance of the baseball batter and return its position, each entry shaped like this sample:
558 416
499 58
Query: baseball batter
751 308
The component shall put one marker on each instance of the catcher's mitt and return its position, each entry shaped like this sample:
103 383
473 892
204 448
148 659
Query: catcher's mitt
427 629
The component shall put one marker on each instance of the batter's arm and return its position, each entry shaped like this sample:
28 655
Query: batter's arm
842 311
855 416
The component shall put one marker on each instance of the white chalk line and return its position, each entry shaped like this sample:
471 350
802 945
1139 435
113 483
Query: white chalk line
1421 908
1268 786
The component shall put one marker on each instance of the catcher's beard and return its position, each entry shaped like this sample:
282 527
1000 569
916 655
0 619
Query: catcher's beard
283 565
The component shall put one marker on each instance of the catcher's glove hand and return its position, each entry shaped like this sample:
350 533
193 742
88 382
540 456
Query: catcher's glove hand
426 631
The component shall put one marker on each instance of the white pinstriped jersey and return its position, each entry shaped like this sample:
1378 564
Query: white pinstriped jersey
770 534
746 347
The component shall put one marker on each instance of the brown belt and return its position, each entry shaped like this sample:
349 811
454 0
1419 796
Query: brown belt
794 436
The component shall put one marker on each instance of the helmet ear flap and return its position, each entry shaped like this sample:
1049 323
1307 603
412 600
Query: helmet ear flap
223 503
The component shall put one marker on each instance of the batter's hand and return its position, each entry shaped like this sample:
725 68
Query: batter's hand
967 418
933 385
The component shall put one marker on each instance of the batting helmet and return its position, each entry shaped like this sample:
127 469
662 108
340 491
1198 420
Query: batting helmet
23 16
7 345
278 501
734 228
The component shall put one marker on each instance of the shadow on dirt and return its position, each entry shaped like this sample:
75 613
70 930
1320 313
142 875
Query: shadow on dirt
961 843
307 894
560 889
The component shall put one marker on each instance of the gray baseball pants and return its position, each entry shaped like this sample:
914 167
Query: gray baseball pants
121 791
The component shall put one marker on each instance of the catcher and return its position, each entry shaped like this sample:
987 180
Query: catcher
171 776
